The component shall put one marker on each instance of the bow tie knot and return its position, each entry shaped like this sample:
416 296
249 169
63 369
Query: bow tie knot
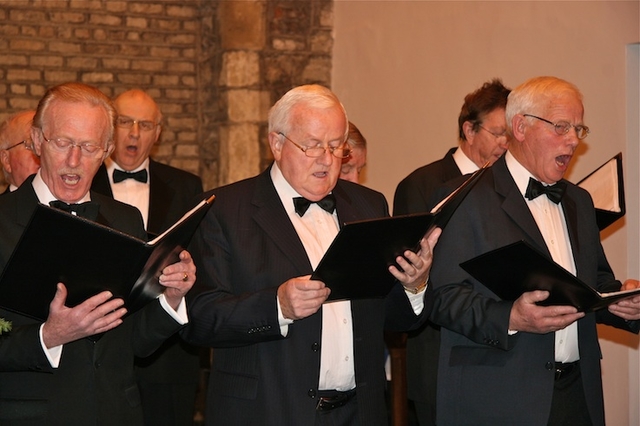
121 175
328 203
88 210
553 192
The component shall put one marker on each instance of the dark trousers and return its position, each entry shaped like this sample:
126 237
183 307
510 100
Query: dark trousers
569 405
347 415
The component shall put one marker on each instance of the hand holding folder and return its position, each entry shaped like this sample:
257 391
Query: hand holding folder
517 268
356 264
109 260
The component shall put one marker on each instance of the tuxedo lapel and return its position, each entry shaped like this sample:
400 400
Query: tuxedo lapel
514 204
101 182
27 201
344 206
271 216
160 199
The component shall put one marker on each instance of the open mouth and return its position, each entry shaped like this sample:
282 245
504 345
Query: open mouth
563 160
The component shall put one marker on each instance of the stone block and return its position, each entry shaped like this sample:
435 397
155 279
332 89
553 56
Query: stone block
318 70
82 62
23 75
13 59
103 19
147 8
67 17
240 69
97 77
242 24
46 61
239 152
243 105
29 45
136 22
60 76
182 11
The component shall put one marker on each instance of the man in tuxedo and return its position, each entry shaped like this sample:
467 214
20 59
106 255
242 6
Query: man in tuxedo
76 368
282 355
482 133
516 362
168 379
352 166
16 149
482 138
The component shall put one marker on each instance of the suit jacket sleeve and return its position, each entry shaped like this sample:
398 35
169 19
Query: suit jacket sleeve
22 351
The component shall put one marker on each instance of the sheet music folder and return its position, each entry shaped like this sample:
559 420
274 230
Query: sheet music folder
606 186
517 268
88 258
356 264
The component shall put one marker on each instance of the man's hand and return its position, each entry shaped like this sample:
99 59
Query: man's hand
628 309
178 279
93 316
301 297
416 266
527 316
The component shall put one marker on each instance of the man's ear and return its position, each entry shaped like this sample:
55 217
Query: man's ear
36 138
518 126
469 133
275 143
110 149
4 159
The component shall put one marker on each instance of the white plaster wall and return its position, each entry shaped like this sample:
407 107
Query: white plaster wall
402 69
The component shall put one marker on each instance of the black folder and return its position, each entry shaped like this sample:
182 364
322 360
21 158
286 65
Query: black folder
88 258
519 267
356 264
606 186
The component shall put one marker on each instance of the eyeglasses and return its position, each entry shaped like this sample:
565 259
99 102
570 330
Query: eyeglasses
27 144
63 146
127 123
318 151
495 135
563 127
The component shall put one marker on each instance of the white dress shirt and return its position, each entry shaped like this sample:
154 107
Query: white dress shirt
317 229
463 162
552 224
54 354
130 191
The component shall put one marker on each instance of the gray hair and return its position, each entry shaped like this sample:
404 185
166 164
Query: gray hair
312 95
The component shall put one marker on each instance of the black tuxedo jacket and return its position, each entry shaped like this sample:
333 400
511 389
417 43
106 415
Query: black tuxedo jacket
245 248
94 383
171 193
414 192
487 377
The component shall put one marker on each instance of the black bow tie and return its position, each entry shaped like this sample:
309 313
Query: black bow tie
328 203
554 192
88 210
119 175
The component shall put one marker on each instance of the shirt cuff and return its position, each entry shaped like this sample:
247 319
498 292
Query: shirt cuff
416 300
53 354
180 314
284 322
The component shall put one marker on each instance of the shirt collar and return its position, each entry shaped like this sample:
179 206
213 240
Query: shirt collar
463 162
111 165
283 188
519 173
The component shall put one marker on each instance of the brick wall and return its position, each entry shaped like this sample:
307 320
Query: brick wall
214 67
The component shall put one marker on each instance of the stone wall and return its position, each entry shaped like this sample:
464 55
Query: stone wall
214 67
